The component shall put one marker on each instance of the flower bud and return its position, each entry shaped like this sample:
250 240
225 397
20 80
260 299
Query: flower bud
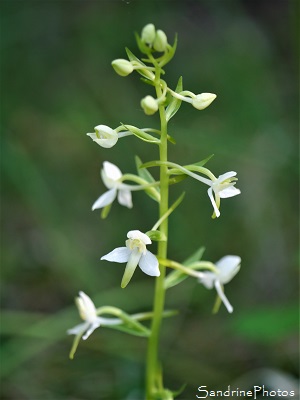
148 34
203 100
104 136
160 41
149 105
122 67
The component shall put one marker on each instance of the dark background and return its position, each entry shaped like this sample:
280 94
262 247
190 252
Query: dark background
57 84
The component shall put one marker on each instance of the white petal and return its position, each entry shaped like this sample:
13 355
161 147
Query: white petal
229 192
149 264
105 199
226 176
78 329
111 171
119 255
106 129
228 266
89 307
213 202
223 297
106 143
139 235
207 279
124 198
91 329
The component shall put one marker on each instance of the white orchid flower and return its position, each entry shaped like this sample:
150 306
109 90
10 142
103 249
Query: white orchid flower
199 101
104 136
111 176
222 187
135 253
227 267
87 312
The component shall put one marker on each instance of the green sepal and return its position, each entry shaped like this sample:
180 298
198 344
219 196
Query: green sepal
154 192
141 134
105 211
157 236
174 104
175 277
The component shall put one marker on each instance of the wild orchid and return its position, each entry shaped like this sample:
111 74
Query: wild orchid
156 53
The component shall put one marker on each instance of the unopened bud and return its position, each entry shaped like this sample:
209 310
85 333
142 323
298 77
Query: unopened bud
148 34
122 67
160 41
149 105
203 100
104 136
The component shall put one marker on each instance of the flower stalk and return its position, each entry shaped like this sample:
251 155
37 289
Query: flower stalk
159 297
166 103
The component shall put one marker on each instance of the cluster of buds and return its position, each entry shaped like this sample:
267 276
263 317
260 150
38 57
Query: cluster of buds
151 41
155 39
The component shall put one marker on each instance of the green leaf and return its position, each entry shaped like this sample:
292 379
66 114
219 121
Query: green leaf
156 236
175 104
143 73
141 45
143 172
203 162
154 192
194 257
141 134
176 277
169 211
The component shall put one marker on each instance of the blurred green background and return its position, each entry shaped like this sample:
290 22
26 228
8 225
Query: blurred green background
57 84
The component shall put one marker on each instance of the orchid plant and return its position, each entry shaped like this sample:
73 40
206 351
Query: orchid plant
157 52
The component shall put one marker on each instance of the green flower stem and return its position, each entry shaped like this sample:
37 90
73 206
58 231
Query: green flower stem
142 182
152 354
186 270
